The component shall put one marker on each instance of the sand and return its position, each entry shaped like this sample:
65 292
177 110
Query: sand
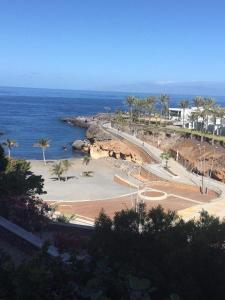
78 187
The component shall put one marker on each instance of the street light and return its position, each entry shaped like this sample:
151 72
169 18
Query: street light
131 194
202 166
135 202
177 155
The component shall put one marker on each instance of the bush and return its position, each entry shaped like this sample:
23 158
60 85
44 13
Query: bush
18 187
67 242
137 255
16 179
176 257
29 212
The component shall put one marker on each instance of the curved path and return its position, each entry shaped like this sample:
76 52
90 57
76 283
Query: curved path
215 207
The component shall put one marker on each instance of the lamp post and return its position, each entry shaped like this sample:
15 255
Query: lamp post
202 166
131 194
177 155
134 200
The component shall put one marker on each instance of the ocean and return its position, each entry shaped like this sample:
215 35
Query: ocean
28 114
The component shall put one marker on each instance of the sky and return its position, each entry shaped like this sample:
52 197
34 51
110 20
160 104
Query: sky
108 44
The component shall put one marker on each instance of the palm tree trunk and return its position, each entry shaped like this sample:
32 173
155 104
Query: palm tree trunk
9 152
221 125
183 117
43 154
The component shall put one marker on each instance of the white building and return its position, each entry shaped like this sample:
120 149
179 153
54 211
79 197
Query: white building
179 115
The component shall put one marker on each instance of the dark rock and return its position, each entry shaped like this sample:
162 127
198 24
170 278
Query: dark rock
79 145
77 121
95 133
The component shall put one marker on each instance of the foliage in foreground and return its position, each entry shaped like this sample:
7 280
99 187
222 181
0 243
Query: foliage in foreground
137 255
18 190
16 179
177 257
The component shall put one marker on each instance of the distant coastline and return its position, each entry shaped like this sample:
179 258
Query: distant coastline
190 89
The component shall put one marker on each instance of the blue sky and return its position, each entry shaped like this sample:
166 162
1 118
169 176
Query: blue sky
103 44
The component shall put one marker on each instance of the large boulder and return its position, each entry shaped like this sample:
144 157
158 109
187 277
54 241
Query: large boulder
79 145
95 133
116 149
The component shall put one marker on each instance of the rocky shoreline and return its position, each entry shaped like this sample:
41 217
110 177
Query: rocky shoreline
79 121
91 123
99 143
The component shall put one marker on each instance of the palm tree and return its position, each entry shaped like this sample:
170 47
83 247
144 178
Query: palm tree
86 160
119 116
166 155
221 114
209 104
193 118
150 105
202 114
66 164
138 103
43 144
142 106
215 114
150 100
9 144
198 101
57 169
164 103
184 104
131 102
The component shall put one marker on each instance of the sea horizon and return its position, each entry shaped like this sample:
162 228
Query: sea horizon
57 92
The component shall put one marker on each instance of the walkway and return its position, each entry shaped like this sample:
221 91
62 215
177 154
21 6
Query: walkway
215 207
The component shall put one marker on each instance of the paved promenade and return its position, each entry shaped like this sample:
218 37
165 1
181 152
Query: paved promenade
100 186
215 207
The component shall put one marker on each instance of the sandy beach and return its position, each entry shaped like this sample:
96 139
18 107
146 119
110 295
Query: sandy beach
100 186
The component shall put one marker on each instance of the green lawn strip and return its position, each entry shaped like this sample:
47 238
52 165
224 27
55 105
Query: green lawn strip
199 133
219 138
